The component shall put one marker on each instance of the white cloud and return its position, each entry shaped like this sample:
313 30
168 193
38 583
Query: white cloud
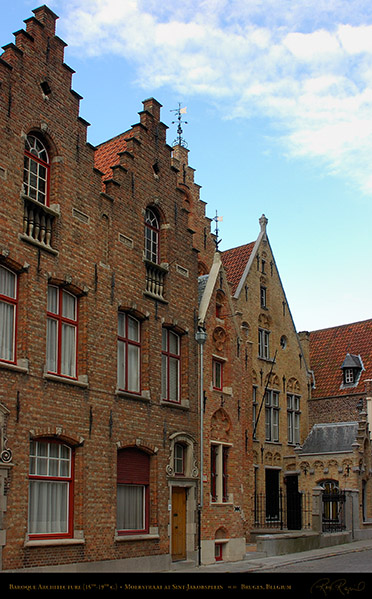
308 70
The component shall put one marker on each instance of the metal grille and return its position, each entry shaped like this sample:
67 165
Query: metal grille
282 511
333 517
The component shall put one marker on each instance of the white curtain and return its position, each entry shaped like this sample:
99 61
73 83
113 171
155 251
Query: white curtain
130 507
52 341
48 507
7 314
68 351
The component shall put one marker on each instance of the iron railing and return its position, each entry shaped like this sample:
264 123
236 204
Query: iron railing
282 511
333 516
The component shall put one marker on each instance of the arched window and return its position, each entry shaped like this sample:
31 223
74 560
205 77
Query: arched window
8 306
50 495
152 229
133 478
36 170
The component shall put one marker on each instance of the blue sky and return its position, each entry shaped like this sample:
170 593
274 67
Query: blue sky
279 121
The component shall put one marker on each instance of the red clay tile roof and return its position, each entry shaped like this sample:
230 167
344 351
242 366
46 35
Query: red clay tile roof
107 153
328 350
235 261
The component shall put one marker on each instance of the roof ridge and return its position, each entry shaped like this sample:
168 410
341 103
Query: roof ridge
340 326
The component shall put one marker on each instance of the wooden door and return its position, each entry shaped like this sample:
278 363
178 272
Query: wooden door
178 523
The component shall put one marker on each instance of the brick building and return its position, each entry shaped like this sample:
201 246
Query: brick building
280 383
336 455
226 438
98 359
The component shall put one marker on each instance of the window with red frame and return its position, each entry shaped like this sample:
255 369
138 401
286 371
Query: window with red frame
129 353
36 170
133 479
62 328
170 366
50 489
217 374
152 230
8 314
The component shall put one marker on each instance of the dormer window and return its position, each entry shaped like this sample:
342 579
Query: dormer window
352 368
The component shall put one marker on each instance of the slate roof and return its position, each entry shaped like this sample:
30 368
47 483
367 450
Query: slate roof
235 261
328 351
107 153
330 438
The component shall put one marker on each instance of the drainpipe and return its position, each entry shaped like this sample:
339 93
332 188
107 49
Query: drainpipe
201 337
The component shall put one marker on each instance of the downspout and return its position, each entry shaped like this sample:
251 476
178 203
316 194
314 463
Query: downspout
201 337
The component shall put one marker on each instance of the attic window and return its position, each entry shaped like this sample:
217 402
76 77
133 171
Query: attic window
351 370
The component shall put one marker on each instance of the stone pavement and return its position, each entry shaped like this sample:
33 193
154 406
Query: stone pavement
258 563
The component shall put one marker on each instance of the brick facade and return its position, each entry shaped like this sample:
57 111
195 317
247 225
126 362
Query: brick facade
87 241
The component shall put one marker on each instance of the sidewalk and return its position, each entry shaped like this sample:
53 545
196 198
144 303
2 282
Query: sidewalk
257 563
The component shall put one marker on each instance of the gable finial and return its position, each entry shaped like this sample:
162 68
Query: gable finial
179 140
263 223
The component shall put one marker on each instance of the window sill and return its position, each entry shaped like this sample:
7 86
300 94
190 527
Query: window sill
82 381
38 244
183 405
140 537
270 360
134 396
21 366
53 542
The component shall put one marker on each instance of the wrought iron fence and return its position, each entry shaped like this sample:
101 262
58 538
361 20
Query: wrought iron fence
282 511
333 516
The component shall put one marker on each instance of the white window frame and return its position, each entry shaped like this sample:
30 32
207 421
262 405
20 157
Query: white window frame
293 418
272 415
264 344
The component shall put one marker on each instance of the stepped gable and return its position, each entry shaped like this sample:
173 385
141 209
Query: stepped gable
328 350
235 261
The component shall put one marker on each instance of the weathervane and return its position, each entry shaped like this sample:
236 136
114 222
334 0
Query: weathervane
179 140
217 219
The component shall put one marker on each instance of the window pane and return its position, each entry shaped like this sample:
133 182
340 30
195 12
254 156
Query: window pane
51 355
7 317
130 507
7 283
133 368
48 507
173 343
173 379
164 377
133 329
68 306
121 365
68 358
164 340
52 300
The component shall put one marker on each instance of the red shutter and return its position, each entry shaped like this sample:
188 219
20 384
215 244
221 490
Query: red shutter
133 466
